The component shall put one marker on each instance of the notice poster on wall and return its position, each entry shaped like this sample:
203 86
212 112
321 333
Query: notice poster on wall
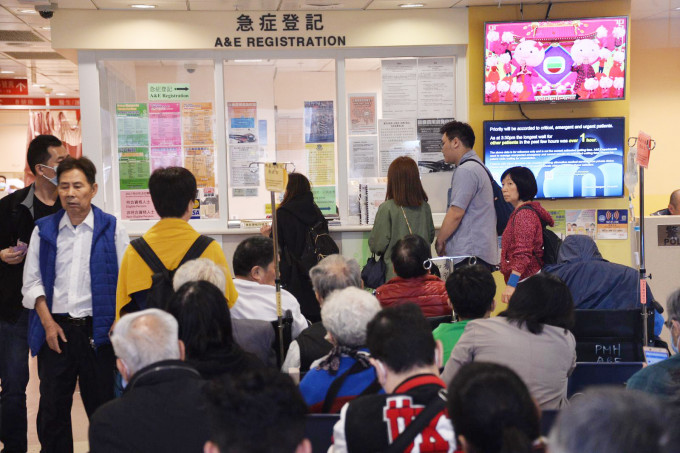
167 156
242 122
363 153
612 224
197 124
208 203
321 163
319 122
581 221
133 168
132 121
436 87
362 114
399 88
430 138
200 160
165 124
324 197
560 228
240 157
137 205
397 138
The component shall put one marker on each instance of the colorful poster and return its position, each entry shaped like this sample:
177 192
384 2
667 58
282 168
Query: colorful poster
200 160
163 157
242 122
560 228
612 224
363 153
133 167
240 157
209 206
321 163
197 123
165 124
581 221
324 197
319 122
137 205
132 121
436 80
429 137
362 114
399 88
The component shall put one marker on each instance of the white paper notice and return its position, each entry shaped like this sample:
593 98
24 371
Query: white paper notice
397 138
399 88
363 156
435 87
241 157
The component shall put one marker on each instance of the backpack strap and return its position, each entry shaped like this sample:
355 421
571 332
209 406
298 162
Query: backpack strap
197 248
148 255
526 206
417 426
336 385
478 163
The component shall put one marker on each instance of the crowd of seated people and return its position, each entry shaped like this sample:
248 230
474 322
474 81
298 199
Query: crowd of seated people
197 371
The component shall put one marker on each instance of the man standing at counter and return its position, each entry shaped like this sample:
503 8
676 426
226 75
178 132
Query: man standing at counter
469 227
18 212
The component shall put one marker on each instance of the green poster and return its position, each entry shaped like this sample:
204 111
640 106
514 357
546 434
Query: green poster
324 197
132 123
560 227
134 168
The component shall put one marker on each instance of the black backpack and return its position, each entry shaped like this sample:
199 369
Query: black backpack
318 245
161 281
551 241
502 207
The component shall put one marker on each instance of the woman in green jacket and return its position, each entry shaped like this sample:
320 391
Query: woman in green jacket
405 211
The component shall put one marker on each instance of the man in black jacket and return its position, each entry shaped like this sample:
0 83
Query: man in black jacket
18 213
407 360
162 407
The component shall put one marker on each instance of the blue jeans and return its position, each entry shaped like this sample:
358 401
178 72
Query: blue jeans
14 378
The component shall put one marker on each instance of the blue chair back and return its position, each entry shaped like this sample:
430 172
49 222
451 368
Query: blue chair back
319 430
587 374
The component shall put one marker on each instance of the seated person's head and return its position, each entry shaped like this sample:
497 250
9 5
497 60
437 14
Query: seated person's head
408 256
400 341
345 315
143 338
203 316
674 203
201 269
491 410
332 273
471 290
541 299
254 260
256 412
614 420
173 191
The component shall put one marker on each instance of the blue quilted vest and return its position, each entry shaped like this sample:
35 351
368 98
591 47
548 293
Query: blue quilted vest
103 275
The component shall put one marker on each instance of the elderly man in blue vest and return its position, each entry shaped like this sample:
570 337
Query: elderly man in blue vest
70 286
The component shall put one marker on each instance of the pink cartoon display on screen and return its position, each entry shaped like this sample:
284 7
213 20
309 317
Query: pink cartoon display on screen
557 60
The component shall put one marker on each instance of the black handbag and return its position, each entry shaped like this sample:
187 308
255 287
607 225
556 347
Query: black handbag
373 273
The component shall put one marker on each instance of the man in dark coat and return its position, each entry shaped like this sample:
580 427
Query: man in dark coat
162 407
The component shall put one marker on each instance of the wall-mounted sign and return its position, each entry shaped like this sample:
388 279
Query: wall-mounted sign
169 91
669 235
13 87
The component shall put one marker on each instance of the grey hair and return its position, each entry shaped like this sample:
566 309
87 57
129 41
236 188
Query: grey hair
346 313
335 272
673 305
198 270
145 337
613 420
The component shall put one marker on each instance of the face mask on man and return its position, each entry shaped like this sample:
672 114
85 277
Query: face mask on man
3 186
54 179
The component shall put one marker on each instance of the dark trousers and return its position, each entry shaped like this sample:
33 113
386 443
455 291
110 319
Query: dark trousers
475 260
58 374
13 378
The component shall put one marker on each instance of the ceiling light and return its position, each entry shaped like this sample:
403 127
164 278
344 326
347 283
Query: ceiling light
412 5
46 28
27 11
4 71
247 61
143 6
60 94
37 85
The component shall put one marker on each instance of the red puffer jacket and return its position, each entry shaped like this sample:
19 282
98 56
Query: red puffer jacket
427 291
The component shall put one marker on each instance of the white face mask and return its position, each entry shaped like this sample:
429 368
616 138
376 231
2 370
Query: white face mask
3 186
54 179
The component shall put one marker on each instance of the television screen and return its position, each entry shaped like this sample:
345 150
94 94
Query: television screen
555 60
570 158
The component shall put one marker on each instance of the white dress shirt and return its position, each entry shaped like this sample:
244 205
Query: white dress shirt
256 301
72 289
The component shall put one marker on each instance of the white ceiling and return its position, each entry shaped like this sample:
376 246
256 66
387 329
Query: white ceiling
41 66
